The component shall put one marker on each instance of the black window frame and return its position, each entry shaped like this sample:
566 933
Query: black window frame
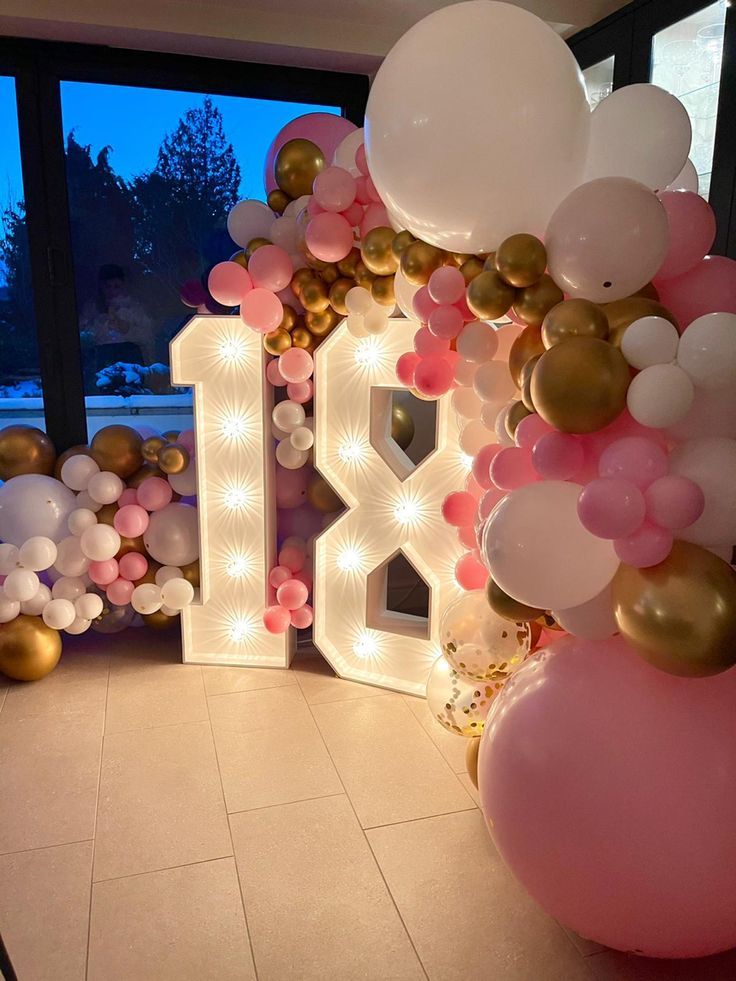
38 68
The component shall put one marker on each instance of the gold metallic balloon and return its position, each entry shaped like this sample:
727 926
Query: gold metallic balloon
532 303
191 573
118 449
580 385
382 291
377 253
488 296
527 345
146 471
277 200
363 276
106 514
516 413
300 278
254 245
173 458
240 257
419 260
322 497
470 269
400 242
329 274
348 265
289 318
314 296
150 574
622 313
277 341
320 324
680 615
29 650
649 291
300 337
402 426
171 435
338 292
297 164
458 259
521 260
25 449
131 545
507 607
471 759
150 448
526 382
160 620
574 318
81 449
489 261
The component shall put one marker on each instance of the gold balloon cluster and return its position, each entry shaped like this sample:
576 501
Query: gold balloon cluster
165 453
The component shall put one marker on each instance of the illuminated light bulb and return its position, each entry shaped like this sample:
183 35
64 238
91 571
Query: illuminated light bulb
235 426
232 349
351 451
236 498
240 630
368 352
237 566
366 646
349 560
407 510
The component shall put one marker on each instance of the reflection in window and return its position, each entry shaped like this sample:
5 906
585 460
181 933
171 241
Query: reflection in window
598 81
152 175
20 381
686 60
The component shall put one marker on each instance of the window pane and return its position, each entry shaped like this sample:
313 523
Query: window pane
20 377
599 81
686 60
152 175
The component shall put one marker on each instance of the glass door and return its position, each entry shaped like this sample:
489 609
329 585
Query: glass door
598 80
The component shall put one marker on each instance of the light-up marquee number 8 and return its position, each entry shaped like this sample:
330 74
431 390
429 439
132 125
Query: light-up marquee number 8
392 506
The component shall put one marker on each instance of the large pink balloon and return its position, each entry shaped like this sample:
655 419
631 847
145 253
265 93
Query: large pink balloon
692 226
610 790
709 287
322 128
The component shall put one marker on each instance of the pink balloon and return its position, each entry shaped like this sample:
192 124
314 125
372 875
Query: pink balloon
130 494
557 456
187 439
530 429
276 619
314 207
611 507
304 521
473 488
423 304
433 376
458 509
103 573
467 537
228 283
482 464
648 546
692 227
300 392
325 129
329 237
292 557
470 571
278 575
133 566
354 214
131 520
709 287
334 189
305 576
302 618
446 285
120 591
465 311
292 594
296 365
291 487
674 502
426 343
360 160
361 190
375 216
261 310
271 268
154 493
634 458
512 467
406 367
445 321
612 795
273 374
371 189
489 500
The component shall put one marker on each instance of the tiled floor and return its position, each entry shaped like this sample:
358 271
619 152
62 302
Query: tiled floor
161 821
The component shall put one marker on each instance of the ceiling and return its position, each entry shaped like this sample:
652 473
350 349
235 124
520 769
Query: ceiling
343 35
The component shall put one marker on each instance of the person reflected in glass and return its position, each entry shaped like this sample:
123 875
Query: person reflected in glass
119 326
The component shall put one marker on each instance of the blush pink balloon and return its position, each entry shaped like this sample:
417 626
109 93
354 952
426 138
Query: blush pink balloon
530 429
446 285
278 575
187 439
406 367
613 797
273 374
292 594
648 546
360 160
433 376
361 190
470 572
131 520
482 465
674 502
458 509
103 573
154 493
300 392
291 487
303 617
473 488
465 311
261 310
296 365
228 283
354 214
271 268
709 287
557 456
467 537
426 343
325 129
423 304
512 468
133 566
329 237
292 557
375 216
120 591
314 207
305 576
692 225
445 321
610 507
334 189
489 500
371 189
276 619
634 458
130 494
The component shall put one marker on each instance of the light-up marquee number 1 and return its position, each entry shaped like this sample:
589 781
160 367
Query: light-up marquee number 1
392 506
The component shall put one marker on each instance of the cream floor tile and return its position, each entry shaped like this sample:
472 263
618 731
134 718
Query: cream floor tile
390 768
220 680
451 746
317 905
160 802
183 924
49 771
320 683
44 911
468 918
250 711
77 687
145 690
614 966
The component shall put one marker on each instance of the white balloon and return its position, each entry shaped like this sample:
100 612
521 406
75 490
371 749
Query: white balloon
21 585
465 372
593 620
713 413
247 220
284 233
85 502
177 593
172 536
302 438
686 180
711 463
88 606
288 415
70 559
648 341
707 350
466 403
404 291
69 587
59 614
521 88
34 606
355 325
79 625
34 505
8 558
105 487
9 609
185 483
499 428
289 457
345 153
80 519
493 383
358 300
77 471
165 573
639 131
99 543
477 341
169 610
376 320
473 437
660 396
293 208
146 598
37 553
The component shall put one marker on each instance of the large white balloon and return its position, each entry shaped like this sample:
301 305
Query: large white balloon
34 505
686 180
345 153
172 536
711 463
660 396
249 219
707 350
641 132
593 620
477 125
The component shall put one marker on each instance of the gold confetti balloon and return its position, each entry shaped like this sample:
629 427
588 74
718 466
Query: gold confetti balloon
478 643
460 705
